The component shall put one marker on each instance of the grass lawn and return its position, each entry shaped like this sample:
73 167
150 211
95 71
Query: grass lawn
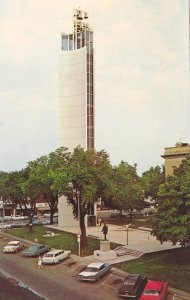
171 265
64 240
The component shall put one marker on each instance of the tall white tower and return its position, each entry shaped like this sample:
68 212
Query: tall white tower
76 101
77 85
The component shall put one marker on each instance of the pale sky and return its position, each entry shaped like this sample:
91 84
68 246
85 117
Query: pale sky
141 79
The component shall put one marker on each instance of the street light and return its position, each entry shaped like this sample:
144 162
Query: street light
79 235
127 228
78 240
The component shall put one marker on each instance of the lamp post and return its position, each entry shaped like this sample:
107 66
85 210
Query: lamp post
78 240
3 213
127 229
79 235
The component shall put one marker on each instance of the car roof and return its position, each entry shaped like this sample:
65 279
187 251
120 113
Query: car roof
54 251
154 285
13 242
132 276
95 265
38 245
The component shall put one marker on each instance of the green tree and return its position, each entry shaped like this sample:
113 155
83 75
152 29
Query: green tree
3 187
127 189
12 189
172 221
83 181
151 181
41 177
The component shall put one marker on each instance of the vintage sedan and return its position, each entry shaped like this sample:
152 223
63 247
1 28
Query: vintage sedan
133 286
155 290
18 225
13 247
5 226
36 222
36 250
94 272
55 256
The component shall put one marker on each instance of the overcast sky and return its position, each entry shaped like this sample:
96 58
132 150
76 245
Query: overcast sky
141 79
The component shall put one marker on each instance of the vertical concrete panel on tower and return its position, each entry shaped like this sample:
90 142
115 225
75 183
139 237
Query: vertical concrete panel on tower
73 101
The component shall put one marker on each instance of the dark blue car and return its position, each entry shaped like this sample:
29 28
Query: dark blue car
36 250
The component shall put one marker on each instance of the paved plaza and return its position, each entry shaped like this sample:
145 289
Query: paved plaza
138 239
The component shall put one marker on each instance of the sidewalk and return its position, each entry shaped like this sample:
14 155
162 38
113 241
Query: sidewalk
140 240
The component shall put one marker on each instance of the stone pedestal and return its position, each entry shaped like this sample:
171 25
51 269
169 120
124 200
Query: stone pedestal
104 246
104 256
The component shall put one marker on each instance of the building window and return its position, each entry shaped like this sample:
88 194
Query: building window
65 42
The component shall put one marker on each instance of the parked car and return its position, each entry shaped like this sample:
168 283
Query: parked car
133 286
18 217
7 218
36 222
55 256
45 221
94 271
13 246
18 225
5 226
155 290
36 250
48 215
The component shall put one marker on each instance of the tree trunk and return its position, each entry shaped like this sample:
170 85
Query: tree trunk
52 210
83 231
131 217
30 222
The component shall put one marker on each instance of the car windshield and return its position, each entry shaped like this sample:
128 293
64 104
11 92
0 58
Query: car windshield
12 244
91 269
33 248
48 255
151 292
129 282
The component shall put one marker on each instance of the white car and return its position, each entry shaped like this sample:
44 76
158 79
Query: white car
55 256
45 221
18 217
13 246
94 272
5 226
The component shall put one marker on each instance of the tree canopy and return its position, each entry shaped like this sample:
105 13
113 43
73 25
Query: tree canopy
151 181
83 181
172 222
126 189
41 178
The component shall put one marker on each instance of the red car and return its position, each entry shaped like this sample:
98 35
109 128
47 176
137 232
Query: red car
155 290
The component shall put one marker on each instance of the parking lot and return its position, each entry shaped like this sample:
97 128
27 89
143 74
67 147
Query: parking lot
58 278
54 274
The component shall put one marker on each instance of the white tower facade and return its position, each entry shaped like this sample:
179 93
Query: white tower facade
77 85
76 126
